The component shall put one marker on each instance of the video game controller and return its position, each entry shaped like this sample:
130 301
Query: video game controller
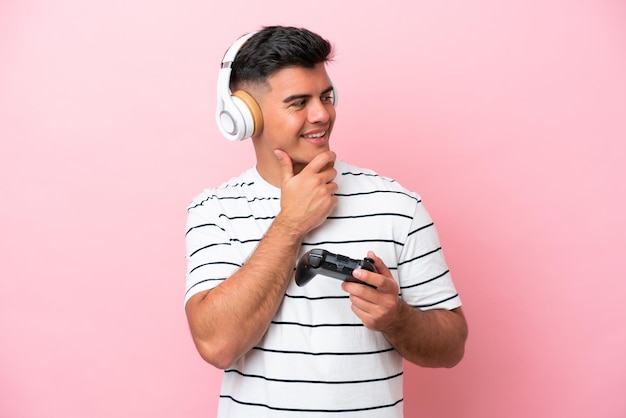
319 261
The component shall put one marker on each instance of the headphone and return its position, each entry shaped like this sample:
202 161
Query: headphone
237 114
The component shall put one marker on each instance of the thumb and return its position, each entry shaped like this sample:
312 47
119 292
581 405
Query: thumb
379 264
286 166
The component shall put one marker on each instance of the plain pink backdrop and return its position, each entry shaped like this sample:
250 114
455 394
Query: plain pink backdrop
509 118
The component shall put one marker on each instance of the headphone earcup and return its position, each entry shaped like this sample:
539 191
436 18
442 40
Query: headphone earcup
239 116
250 112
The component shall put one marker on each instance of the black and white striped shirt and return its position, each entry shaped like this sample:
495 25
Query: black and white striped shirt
317 358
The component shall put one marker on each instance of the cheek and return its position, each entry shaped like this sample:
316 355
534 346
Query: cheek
289 126
281 132
279 120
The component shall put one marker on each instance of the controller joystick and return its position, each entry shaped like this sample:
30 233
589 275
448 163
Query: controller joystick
319 261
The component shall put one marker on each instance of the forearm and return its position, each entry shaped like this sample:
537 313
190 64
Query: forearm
229 320
433 338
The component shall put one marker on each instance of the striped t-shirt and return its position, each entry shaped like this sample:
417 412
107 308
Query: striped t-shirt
317 358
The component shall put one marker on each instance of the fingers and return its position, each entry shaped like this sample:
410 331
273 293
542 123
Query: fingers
323 165
286 166
373 279
321 162
382 280
375 307
307 195
380 266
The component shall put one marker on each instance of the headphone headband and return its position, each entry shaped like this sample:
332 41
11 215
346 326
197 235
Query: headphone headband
230 55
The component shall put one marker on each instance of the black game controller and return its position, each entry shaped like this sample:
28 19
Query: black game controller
318 261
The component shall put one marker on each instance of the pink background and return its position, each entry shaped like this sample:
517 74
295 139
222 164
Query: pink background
508 117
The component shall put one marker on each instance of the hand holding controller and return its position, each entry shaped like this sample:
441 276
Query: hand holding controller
319 261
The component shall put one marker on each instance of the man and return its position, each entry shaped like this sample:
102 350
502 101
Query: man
328 348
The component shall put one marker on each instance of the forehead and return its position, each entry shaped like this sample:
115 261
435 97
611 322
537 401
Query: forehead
291 81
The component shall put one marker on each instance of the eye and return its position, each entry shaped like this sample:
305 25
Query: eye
299 103
327 98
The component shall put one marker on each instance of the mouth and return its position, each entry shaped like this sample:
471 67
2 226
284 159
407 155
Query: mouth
315 138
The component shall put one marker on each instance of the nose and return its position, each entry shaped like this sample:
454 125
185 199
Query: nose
320 111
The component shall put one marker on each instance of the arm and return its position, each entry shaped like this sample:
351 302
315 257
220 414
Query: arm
230 319
434 338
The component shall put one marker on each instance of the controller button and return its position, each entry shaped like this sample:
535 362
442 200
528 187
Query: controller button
315 260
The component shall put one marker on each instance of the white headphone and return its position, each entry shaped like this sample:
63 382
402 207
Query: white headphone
237 114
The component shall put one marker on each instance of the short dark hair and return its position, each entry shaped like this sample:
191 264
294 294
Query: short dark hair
274 48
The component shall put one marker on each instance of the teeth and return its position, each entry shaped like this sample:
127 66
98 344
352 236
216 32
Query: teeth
319 135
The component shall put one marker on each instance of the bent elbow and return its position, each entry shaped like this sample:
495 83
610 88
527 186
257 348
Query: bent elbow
454 358
457 354
217 356
457 351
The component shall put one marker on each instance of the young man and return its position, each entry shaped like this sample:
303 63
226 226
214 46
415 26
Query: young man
328 348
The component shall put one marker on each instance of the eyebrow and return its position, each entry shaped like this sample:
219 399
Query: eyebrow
305 96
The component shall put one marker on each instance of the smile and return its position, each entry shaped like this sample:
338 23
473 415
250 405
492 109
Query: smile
313 136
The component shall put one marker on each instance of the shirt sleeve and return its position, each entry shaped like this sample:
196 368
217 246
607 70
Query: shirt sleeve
209 254
424 277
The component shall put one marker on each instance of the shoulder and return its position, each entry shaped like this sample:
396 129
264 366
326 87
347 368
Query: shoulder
234 188
351 178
